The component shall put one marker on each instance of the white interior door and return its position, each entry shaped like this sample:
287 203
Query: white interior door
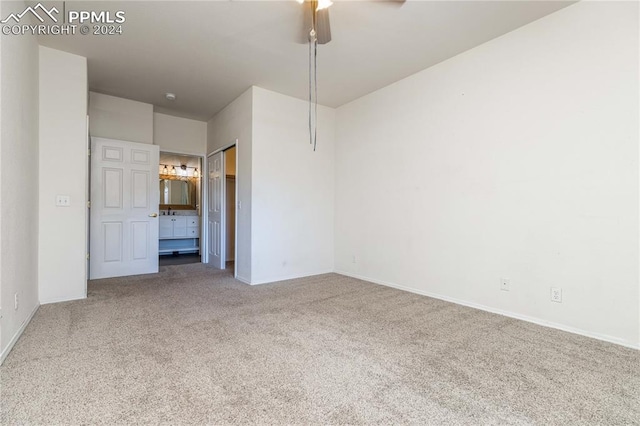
124 208
215 168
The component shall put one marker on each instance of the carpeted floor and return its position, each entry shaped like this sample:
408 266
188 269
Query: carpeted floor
191 345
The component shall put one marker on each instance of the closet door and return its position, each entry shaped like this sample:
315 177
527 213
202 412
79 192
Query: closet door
215 170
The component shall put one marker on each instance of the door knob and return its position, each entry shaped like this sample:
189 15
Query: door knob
153 215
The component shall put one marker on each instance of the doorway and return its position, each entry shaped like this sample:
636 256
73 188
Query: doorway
230 207
180 209
222 189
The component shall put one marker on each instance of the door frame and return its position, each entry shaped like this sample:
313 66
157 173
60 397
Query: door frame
205 210
203 193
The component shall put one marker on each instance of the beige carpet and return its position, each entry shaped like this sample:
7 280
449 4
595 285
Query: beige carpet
192 346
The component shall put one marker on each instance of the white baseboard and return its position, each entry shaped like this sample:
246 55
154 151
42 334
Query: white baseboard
17 335
47 302
244 280
290 277
514 315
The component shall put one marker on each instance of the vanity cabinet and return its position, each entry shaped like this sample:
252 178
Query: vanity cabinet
179 234
193 226
173 226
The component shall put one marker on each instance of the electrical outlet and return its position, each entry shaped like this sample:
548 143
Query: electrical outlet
504 284
63 200
353 259
556 294
15 301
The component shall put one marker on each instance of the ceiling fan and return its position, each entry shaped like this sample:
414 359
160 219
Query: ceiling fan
318 31
316 22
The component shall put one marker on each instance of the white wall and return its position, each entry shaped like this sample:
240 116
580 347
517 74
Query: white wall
121 119
18 181
292 189
63 171
179 135
235 122
516 159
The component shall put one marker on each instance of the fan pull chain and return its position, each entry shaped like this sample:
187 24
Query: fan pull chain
311 34
313 88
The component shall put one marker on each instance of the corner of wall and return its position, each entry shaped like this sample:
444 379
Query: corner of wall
234 123
19 134
292 189
506 171
62 242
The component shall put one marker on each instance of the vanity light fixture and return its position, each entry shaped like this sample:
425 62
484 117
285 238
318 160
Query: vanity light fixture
181 172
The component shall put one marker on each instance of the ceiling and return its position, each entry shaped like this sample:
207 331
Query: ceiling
209 52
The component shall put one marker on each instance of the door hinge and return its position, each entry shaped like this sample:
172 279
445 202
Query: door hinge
88 204
88 256
89 152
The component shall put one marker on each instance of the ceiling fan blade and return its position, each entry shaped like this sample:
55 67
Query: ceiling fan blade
323 27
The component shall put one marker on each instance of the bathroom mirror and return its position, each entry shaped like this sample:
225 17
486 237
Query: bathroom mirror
179 194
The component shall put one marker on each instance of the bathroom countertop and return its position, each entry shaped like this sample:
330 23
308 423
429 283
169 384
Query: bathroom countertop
179 213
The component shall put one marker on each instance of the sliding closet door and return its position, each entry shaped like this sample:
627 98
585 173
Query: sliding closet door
215 228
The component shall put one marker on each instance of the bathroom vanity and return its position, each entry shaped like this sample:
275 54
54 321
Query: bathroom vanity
179 233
